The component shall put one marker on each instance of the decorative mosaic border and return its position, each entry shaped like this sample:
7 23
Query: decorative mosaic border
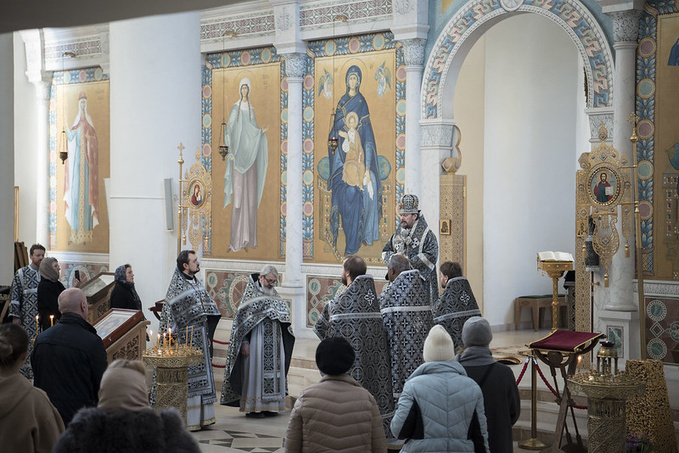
345 46
570 15
645 109
322 13
237 59
242 25
62 78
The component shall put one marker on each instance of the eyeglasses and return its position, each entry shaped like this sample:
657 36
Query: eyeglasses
271 281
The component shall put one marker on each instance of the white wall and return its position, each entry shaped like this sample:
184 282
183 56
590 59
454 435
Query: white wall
155 105
529 169
469 115
26 146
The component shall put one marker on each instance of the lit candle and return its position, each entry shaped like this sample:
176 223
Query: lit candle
169 335
191 337
37 323
151 337
51 320
164 339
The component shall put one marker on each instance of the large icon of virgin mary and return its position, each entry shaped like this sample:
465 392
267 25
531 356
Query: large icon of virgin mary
354 177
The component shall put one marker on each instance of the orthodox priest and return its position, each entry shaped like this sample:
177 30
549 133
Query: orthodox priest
23 307
407 318
355 315
416 241
260 349
189 310
457 302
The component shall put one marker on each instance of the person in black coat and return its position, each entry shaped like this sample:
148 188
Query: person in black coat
69 359
124 295
500 393
49 289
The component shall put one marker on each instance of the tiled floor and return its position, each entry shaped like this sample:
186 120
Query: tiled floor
233 432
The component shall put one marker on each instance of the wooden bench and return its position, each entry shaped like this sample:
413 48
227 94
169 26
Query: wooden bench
536 303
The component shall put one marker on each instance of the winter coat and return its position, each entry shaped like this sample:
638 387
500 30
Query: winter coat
48 297
68 362
336 414
122 297
145 431
500 395
28 421
436 408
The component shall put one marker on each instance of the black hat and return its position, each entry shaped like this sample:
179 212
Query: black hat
334 356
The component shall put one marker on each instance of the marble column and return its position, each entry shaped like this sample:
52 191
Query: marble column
41 80
295 65
293 284
436 144
155 86
625 31
7 145
413 50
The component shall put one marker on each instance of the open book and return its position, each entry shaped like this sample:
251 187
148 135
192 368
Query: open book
555 256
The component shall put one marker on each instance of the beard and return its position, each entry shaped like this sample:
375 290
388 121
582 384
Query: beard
268 291
344 280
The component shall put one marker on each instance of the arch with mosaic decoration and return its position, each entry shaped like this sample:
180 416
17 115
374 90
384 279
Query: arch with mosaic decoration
477 16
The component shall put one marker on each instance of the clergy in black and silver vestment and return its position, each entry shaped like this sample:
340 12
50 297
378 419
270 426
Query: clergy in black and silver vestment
355 315
23 308
416 241
189 307
260 349
457 302
407 319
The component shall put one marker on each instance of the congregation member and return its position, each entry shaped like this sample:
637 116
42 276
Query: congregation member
123 421
193 317
124 294
29 423
438 402
23 307
260 349
355 315
335 414
457 302
416 241
500 393
49 290
69 359
406 315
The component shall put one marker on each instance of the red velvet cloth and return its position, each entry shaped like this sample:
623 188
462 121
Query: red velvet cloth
566 340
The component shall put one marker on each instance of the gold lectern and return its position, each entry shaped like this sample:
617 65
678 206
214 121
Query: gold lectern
555 264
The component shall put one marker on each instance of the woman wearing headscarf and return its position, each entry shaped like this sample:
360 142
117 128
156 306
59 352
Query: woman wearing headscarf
49 289
29 423
124 295
123 421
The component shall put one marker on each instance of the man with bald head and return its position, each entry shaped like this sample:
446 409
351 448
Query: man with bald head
69 359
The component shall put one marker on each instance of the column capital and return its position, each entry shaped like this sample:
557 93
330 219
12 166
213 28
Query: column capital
295 64
438 134
413 51
625 25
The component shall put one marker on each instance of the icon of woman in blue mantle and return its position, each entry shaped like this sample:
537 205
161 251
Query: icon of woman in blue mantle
354 174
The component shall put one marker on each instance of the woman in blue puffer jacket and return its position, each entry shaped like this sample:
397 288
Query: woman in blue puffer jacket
438 402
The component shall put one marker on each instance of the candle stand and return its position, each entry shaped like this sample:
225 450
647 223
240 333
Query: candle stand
172 374
607 391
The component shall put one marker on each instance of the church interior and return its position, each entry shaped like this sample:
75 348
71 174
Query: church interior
523 126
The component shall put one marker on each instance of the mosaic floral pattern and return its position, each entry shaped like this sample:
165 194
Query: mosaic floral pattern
569 15
662 329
